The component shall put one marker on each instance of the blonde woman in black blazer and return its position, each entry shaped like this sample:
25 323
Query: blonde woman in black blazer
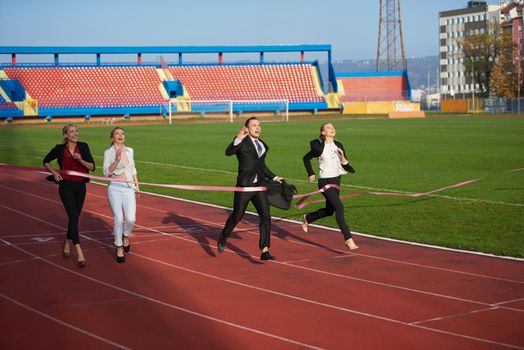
72 155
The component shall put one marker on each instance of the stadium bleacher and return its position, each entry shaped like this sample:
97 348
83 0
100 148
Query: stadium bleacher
294 82
67 87
62 89
375 88
4 105
108 88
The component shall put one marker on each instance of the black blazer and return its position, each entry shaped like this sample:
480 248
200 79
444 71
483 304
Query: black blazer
249 165
58 153
316 148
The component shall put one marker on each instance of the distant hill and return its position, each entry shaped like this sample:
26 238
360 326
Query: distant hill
418 68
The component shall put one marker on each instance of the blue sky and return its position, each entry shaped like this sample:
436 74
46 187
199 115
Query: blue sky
350 26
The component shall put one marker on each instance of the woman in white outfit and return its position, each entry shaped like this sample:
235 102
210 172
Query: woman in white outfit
119 164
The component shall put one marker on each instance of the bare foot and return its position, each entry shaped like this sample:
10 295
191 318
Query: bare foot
351 245
67 249
304 224
80 256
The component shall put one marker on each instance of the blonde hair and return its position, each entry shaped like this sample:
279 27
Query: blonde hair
65 129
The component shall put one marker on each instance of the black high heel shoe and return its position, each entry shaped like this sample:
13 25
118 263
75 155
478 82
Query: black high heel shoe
119 259
127 248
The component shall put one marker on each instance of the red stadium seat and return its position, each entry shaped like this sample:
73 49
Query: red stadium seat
249 82
375 88
89 86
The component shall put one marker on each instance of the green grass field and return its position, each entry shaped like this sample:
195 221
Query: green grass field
389 155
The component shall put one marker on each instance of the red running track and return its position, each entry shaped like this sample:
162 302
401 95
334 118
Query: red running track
175 291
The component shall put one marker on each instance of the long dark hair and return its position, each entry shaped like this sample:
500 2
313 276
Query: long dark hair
321 137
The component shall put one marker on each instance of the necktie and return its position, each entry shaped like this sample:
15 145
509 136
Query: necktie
259 148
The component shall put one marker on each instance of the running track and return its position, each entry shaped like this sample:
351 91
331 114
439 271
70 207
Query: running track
175 290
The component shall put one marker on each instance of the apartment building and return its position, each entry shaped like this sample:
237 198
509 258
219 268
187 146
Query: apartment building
454 25
511 22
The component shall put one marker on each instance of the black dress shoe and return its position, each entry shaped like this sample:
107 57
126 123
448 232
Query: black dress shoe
267 256
221 243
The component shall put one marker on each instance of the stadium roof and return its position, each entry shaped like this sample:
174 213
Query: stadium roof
157 49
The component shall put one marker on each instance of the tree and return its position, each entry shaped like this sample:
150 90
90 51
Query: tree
503 80
488 53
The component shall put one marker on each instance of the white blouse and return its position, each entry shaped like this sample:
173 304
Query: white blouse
128 169
329 162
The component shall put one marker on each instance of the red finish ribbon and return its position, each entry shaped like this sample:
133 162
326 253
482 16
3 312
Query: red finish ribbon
104 178
299 204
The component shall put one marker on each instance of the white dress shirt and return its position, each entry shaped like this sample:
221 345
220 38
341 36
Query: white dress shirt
128 170
237 141
329 162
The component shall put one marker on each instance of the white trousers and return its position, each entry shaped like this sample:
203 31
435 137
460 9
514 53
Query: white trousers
123 204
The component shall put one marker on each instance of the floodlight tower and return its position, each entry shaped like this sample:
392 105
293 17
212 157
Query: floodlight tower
391 55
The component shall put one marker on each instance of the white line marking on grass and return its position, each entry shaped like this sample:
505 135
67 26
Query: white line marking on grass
287 264
68 325
337 230
356 233
320 271
371 189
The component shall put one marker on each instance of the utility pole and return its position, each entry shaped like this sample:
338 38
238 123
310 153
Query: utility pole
518 88
473 82
428 79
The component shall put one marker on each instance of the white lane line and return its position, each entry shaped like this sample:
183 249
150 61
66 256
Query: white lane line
276 262
160 302
509 301
382 238
462 314
263 290
65 324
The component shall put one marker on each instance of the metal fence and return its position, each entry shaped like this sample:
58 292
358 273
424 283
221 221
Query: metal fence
494 105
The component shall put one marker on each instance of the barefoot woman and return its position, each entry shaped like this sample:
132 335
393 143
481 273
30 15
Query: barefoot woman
333 163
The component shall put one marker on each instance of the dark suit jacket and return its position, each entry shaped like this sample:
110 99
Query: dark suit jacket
58 153
249 164
316 149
